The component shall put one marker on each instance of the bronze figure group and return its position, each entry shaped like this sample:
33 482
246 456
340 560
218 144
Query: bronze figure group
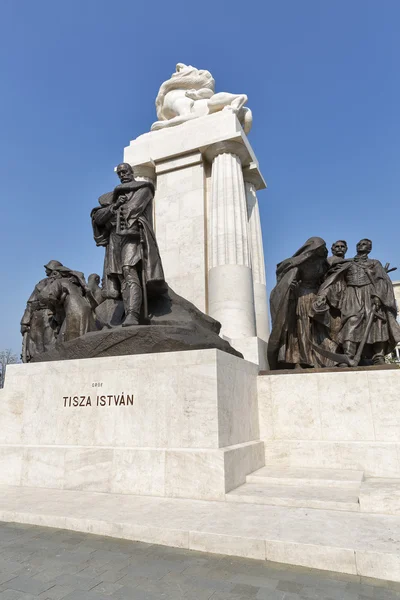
63 306
332 311
326 311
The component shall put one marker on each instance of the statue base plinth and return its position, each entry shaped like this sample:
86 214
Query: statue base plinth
173 424
139 339
180 460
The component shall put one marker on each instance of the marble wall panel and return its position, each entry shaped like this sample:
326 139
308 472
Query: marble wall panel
139 471
180 231
194 415
345 406
181 180
171 266
376 459
89 469
11 413
195 474
384 390
265 407
43 467
191 203
237 401
167 206
10 465
295 407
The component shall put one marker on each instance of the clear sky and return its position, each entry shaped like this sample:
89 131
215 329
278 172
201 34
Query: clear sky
79 80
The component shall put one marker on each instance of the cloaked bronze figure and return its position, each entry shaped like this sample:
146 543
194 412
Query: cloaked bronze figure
69 298
363 293
123 224
293 330
60 308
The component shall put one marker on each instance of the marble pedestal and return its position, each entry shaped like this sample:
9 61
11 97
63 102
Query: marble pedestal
179 424
180 460
337 420
206 220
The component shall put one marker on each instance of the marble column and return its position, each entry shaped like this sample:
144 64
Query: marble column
230 280
251 179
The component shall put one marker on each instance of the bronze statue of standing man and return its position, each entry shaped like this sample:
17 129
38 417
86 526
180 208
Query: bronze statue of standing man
123 224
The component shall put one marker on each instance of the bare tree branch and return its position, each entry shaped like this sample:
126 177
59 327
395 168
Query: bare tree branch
7 357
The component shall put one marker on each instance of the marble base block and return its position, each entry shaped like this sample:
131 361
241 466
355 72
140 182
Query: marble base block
335 420
254 349
179 424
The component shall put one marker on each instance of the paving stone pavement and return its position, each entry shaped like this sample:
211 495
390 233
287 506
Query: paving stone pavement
40 563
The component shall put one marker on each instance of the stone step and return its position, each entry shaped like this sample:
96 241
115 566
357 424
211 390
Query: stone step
301 496
380 495
345 542
305 476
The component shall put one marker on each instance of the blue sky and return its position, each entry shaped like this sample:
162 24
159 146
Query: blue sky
79 80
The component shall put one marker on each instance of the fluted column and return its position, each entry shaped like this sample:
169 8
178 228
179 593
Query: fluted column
257 256
230 282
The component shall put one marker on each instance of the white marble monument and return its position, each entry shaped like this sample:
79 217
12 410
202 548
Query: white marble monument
206 214
197 449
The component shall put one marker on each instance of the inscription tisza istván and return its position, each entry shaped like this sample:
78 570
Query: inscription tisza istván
108 400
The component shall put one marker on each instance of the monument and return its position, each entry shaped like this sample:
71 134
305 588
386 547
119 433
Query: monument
135 414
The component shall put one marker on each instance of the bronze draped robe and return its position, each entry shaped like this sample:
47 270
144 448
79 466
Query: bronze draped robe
292 328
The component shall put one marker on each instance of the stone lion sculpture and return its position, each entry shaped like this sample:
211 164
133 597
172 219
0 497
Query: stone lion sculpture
190 93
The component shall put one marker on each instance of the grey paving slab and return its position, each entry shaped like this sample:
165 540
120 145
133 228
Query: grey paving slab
38 563
289 586
265 594
15 595
30 585
107 588
111 576
78 582
85 595
58 592
130 593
